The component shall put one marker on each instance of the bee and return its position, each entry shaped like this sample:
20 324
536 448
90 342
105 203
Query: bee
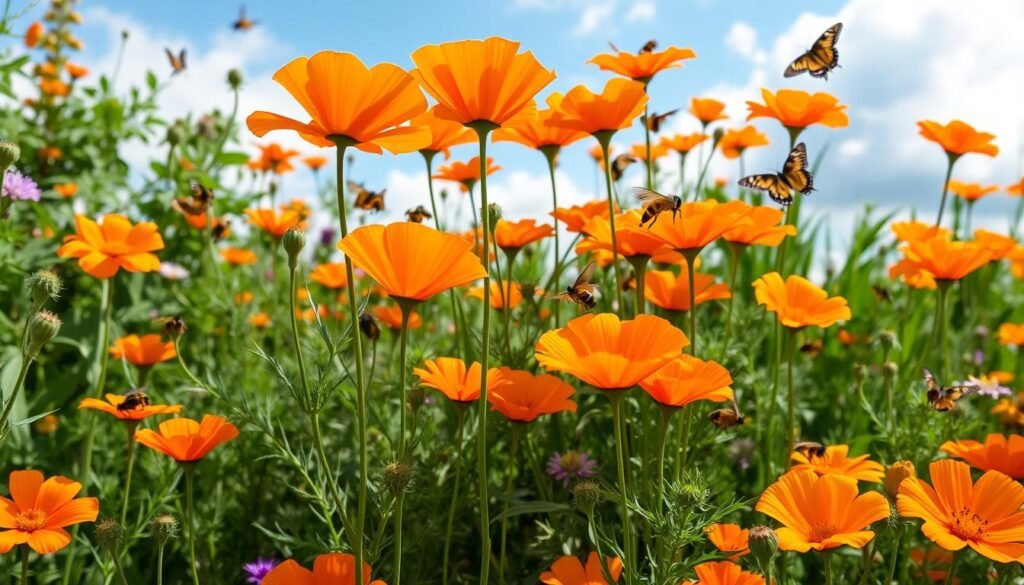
809 449
582 292
173 326
821 58
944 398
197 202
418 215
220 228
780 186
620 164
369 327
243 23
655 120
813 347
727 418
655 204
366 199
629 283
648 47
134 400
881 293
177 61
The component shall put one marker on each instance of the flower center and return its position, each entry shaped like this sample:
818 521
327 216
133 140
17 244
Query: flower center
30 520
821 531
968 525
571 462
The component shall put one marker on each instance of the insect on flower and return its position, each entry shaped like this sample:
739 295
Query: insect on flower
582 291
134 400
944 398
655 204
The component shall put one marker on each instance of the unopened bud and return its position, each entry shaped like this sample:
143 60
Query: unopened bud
717 135
294 241
10 152
43 286
396 477
894 476
42 327
764 545
860 373
586 495
109 535
890 369
235 79
416 398
493 215
887 339
164 527
175 134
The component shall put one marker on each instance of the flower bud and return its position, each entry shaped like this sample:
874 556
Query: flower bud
294 240
860 373
235 79
890 369
164 527
396 477
717 135
493 215
894 476
109 535
764 544
43 286
586 495
175 134
887 339
42 327
417 397
10 152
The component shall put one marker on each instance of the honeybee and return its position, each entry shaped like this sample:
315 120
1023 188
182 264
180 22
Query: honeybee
655 120
177 61
366 199
809 449
629 283
134 400
655 204
418 214
944 398
620 164
582 292
727 418
243 23
173 326
813 347
197 202
369 327
648 47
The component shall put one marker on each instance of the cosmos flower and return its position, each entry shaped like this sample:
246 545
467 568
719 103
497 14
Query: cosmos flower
257 570
513 235
330 274
1011 334
683 143
272 222
988 385
615 108
20 187
700 223
970 192
570 466
568 570
724 573
539 133
238 256
944 259
666 289
444 133
577 216
466 174
760 228
273 159
102 250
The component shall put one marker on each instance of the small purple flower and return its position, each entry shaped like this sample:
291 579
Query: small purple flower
988 386
979 357
327 236
570 466
258 569
19 187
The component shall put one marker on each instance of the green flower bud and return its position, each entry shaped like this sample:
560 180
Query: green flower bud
396 477
235 79
10 152
164 527
43 285
175 134
294 240
860 373
764 545
109 535
417 397
887 339
586 495
42 327
493 215
890 369
717 135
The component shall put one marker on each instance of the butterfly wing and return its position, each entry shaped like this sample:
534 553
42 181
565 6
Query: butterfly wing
794 171
773 184
822 56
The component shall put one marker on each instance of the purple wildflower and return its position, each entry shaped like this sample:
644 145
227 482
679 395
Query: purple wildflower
571 465
988 386
19 187
979 357
258 569
327 236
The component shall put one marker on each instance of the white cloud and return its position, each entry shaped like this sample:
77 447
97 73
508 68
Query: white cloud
594 16
852 148
642 11
742 38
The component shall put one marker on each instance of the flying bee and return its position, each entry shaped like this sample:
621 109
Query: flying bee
727 418
177 61
881 293
944 398
655 120
418 215
369 327
134 400
620 164
243 23
809 449
582 292
813 347
655 204
648 47
174 327
366 199
629 283
197 202
220 228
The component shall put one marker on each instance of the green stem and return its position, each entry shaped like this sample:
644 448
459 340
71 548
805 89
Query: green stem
118 568
682 176
605 138
307 398
189 470
130 426
551 153
951 576
666 415
517 431
455 491
735 250
227 131
828 568
24 564
160 564
945 187
506 302
617 399
406 306
428 158
791 402
648 163
640 273
869 557
703 171
22 373
691 258
684 443
940 325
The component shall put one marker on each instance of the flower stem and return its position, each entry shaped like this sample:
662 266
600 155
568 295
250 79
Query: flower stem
455 491
648 163
945 187
118 568
605 139
22 373
791 402
551 153
682 176
517 431
951 576
617 399
691 258
734 263
828 568
24 564
160 564
639 263
130 426
666 416
940 326
406 306
189 470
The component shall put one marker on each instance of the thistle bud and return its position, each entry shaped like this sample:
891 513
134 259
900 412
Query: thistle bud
43 286
860 373
235 79
42 327
586 495
109 535
164 527
10 152
890 369
294 241
894 476
764 545
396 477
493 215
887 339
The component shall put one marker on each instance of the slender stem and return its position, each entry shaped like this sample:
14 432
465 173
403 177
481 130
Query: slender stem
189 470
869 557
332 484
684 443
648 163
640 274
307 398
550 153
945 187
118 568
455 492
517 431
828 568
682 176
160 563
703 171
24 564
968 222
666 416
791 402
227 131
940 325
617 398
735 250
428 158
691 259
476 222
507 301
130 426
605 138
951 576
22 373
406 307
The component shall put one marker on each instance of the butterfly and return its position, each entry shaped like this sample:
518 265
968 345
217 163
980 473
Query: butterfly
655 120
243 23
418 215
822 57
655 204
944 398
780 186
177 61
620 164
366 199
134 400
582 292
726 418
809 449
197 202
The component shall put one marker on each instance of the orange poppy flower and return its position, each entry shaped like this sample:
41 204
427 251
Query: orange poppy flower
412 261
273 159
102 250
958 138
944 259
630 238
577 216
683 143
1001 246
644 65
933 563
610 354
54 87
347 100
1016 188
76 71
514 235
33 34
186 440
275 224
970 191
836 461
466 174
568 570
909 231
958 513
912 275
687 379
328 569
522 397
1011 334
797 302
499 290
760 228
143 351
821 512
615 108
794 108
539 133
735 142
39 510
707 110
66 190
701 223
391 316
260 320
140 412
665 289
451 377
315 162
238 256
658 150
330 274
998 453
731 539
444 133
300 207
724 573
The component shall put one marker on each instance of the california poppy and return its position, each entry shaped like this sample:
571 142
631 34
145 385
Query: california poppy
615 108
522 396
315 162
577 216
702 222
444 133
731 539
454 379
186 440
796 109
273 159
684 143
735 142
671 292
944 259
724 573
658 150
760 228
273 223
143 351
821 512
39 510
66 190
391 315
238 256
912 230
503 294
797 302
514 235
1001 453
687 379
568 570
466 174
33 34
970 191
644 65
999 245
102 250
836 461
328 569
113 402
330 274
1011 334
707 110
539 133
958 138
346 101
631 239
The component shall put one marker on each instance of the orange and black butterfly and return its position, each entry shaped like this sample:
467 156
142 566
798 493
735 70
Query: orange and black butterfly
197 202
418 214
944 398
582 292
809 449
780 186
727 418
648 47
243 22
177 61
366 199
655 204
821 58
655 120
620 164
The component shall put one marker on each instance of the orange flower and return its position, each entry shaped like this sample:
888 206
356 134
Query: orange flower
104 249
958 138
331 275
794 108
39 510
610 354
238 256
539 133
944 259
958 513
731 539
909 231
300 207
273 159
821 512
835 461
999 245
760 228
143 351
577 216
444 133
934 563
643 66
998 453
735 142
631 239
970 191
315 162
328 569
568 570
700 223
515 235
66 190
392 317
412 261
139 412
271 222
658 150
186 440
76 71
260 320
466 173
1016 188
522 397
683 143
243 298
514 294
707 110
666 290
451 377
364 107
797 302
54 87
33 34
1011 334
912 274
615 108
724 573
687 379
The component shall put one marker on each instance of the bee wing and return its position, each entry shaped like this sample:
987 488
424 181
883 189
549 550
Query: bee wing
644 195
354 187
590 288
562 296
584 278
613 47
